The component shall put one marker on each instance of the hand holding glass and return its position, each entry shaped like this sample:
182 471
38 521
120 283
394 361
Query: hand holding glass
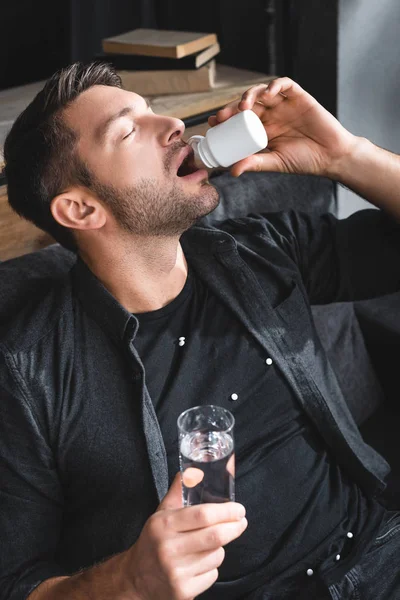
207 455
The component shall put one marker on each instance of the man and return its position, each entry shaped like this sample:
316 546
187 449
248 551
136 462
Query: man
93 378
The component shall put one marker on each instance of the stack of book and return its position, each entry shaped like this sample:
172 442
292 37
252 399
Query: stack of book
154 62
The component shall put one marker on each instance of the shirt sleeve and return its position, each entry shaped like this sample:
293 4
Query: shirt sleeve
30 498
340 259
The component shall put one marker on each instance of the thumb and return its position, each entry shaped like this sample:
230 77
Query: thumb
264 161
173 498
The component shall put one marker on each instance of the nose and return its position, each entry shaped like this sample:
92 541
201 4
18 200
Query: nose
170 130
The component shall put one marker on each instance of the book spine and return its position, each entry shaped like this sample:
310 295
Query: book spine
154 83
177 50
131 62
122 48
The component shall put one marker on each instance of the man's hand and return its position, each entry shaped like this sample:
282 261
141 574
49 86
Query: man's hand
176 556
180 549
303 137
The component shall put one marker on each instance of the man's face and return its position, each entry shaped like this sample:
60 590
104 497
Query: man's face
141 167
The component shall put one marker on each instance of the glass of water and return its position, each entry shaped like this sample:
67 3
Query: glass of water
207 454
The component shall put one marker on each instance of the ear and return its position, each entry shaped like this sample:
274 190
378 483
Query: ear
78 209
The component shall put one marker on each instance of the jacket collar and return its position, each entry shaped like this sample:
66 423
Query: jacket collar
206 240
99 304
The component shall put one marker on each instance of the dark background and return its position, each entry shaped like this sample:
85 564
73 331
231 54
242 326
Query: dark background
344 52
271 36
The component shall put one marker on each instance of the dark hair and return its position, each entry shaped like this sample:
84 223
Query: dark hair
40 149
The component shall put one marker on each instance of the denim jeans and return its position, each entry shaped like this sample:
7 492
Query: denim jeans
377 575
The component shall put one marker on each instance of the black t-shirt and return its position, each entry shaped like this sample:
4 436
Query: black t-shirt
300 504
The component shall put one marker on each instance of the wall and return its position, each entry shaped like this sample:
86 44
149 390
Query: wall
310 44
369 78
37 38
33 40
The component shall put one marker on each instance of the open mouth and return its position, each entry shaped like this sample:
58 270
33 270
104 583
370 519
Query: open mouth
188 166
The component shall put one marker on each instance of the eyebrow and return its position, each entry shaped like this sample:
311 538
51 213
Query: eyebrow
102 129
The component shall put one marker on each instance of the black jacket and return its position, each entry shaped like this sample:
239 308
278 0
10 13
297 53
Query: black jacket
82 460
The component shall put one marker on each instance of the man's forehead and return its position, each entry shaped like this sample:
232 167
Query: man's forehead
100 102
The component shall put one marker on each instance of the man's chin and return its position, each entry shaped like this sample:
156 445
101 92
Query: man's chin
203 207
210 200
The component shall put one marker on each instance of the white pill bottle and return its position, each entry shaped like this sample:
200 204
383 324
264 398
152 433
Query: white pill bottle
225 144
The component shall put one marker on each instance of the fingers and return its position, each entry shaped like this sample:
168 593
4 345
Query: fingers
173 498
231 109
204 515
203 562
285 86
251 99
224 113
212 121
192 477
265 161
197 585
210 538
198 552
254 95
272 94
207 561
258 98
201 572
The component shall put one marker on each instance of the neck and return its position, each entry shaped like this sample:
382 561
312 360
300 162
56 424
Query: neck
143 274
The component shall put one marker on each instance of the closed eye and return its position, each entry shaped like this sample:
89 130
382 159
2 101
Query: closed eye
128 134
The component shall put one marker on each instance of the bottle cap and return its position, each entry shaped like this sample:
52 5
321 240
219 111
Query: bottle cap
202 153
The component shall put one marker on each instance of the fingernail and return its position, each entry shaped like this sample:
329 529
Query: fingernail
241 511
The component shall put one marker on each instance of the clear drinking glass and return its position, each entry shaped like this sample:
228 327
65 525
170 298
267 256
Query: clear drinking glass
207 454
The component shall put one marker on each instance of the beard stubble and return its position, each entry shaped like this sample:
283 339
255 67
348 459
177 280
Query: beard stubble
146 209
